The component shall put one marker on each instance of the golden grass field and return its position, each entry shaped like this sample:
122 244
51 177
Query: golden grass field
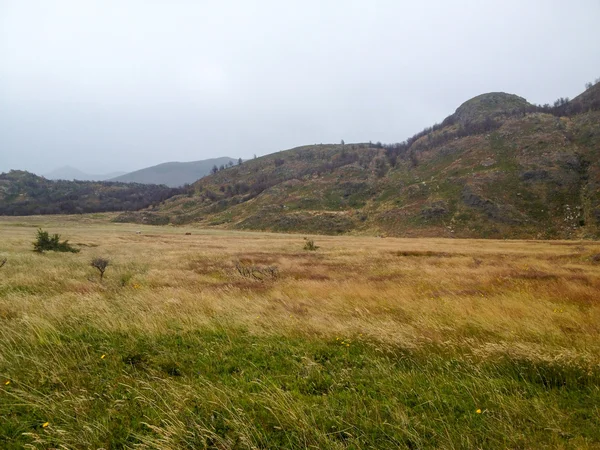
454 343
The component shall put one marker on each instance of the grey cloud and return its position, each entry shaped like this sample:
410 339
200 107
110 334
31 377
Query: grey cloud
118 85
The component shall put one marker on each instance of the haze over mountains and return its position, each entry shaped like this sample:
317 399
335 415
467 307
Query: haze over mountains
71 173
174 174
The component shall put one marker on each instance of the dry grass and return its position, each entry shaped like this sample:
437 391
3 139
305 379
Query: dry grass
481 300
401 291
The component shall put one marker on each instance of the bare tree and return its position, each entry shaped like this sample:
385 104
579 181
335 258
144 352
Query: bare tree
101 264
2 262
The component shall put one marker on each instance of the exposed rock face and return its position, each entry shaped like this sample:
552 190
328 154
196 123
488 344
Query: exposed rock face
497 213
473 200
435 210
534 175
489 106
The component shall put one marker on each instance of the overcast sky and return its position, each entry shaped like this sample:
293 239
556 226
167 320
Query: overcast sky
120 85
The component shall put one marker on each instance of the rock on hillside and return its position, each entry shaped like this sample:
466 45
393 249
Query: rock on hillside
499 167
490 106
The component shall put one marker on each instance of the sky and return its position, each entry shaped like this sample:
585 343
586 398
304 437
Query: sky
118 85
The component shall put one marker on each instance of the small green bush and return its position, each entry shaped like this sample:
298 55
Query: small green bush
125 278
45 242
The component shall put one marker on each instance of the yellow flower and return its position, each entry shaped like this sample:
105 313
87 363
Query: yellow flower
103 356
7 382
45 424
478 411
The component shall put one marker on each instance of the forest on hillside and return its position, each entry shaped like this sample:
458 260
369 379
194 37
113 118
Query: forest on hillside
23 193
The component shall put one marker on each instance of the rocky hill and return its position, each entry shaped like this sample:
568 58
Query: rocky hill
23 193
498 167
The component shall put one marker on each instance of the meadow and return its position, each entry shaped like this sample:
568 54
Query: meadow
222 339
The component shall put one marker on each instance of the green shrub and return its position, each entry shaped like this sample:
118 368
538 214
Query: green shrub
45 242
310 245
125 278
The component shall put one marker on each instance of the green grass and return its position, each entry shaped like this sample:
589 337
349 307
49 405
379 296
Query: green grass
224 387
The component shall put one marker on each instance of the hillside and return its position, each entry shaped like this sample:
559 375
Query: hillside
23 193
364 344
497 167
71 173
175 174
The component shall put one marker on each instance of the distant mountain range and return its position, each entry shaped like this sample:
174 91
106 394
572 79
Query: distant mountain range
172 174
175 174
71 173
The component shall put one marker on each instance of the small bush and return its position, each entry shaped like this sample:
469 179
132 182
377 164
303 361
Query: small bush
125 278
310 245
45 242
101 264
257 272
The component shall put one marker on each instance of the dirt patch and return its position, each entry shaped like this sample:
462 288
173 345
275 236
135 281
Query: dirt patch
385 277
532 274
426 253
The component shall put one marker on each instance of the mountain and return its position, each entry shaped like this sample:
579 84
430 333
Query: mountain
23 193
72 173
498 167
175 174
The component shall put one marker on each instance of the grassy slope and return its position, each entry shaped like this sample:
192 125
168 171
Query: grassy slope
371 343
537 176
